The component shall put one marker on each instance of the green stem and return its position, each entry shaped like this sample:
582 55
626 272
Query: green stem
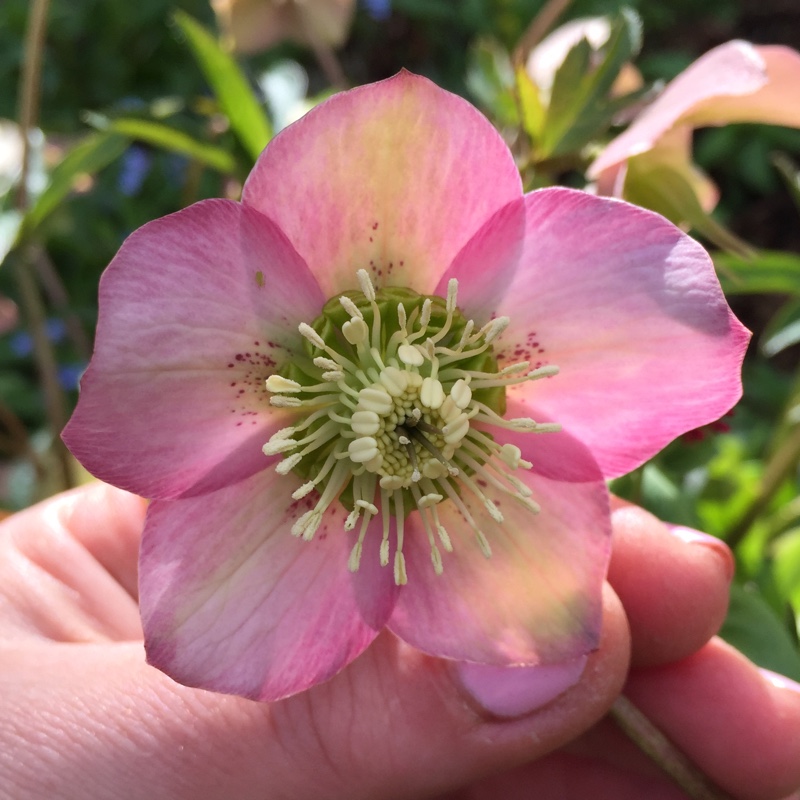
29 295
661 750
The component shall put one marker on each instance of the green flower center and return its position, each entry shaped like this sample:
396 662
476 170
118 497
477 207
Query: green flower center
393 398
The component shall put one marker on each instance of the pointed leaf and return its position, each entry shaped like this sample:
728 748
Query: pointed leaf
90 155
768 271
231 88
783 330
168 138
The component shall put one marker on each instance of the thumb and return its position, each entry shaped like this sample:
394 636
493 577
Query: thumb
396 723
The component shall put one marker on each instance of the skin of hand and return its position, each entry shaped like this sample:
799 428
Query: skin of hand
83 716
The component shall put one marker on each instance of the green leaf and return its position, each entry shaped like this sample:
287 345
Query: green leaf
490 78
533 112
579 105
90 155
767 272
782 331
753 628
236 98
164 136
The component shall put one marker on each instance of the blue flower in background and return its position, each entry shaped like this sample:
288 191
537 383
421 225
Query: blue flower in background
69 375
378 9
21 342
135 166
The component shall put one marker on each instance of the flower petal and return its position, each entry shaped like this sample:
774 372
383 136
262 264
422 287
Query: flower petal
537 598
731 71
777 102
232 602
393 177
195 311
631 312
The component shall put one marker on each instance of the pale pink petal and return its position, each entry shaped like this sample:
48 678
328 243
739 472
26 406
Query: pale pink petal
777 102
196 310
232 602
630 309
732 70
537 599
394 178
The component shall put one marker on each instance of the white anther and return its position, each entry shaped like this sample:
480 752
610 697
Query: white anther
444 538
544 372
410 355
436 558
512 368
452 295
483 543
494 328
394 380
309 333
279 401
524 424
333 375
429 500
301 522
299 494
283 433
362 449
355 557
402 318
510 454
548 427
350 307
275 446
461 394
392 482
277 384
384 553
400 577
351 520
493 510
355 330
365 423
434 469
456 430
311 526
325 363
288 464
367 289
370 508
432 393
425 314
375 398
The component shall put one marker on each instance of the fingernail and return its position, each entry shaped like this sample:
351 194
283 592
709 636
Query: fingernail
692 536
781 681
516 691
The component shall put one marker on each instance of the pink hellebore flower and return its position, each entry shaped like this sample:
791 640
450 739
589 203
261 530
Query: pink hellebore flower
398 422
735 82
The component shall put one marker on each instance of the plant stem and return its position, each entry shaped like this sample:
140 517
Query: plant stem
30 298
661 750
538 29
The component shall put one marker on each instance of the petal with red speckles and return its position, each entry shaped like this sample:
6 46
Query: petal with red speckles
195 311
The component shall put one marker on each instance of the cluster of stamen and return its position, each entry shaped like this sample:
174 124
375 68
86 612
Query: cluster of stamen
394 417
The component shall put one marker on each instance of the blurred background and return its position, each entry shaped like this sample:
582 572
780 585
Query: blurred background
135 110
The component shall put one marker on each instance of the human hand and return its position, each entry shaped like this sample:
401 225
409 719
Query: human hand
82 715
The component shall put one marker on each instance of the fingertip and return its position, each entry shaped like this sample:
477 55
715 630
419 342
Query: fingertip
674 586
740 725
